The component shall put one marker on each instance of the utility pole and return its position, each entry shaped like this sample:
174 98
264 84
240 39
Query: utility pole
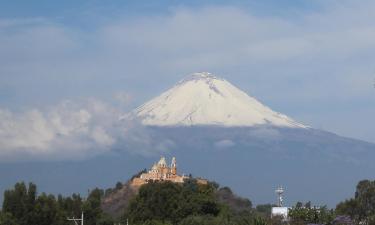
76 220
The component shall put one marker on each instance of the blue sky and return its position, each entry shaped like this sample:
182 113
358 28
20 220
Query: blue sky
68 8
311 60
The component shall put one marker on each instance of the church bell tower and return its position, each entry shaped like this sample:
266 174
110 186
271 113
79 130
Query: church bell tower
174 166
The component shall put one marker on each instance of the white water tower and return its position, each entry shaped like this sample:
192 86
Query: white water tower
280 210
280 191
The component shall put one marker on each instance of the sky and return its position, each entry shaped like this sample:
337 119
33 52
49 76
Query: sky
69 68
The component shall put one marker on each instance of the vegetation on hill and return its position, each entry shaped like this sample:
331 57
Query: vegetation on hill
188 203
116 200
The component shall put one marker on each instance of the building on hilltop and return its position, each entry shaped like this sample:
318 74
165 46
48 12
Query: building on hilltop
160 171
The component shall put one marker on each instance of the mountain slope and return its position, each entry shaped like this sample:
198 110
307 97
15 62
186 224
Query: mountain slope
203 99
235 135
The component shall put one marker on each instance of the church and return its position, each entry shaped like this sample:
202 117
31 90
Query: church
160 171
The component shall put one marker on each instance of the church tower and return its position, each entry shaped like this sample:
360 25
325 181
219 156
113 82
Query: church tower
174 166
163 168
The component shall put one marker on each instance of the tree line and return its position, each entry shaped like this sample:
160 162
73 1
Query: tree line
23 206
166 203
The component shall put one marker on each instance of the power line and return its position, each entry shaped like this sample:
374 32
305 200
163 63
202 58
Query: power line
76 220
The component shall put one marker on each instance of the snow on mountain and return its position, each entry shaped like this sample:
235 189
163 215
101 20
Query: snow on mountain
203 99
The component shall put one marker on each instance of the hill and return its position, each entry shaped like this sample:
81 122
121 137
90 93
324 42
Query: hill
118 199
116 202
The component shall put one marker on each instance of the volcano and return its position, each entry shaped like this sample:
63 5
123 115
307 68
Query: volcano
204 99
220 132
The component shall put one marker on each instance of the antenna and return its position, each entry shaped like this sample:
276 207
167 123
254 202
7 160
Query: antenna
76 220
280 191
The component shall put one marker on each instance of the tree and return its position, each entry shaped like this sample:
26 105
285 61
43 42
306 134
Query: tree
7 219
201 220
91 206
361 208
264 210
118 185
19 202
46 210
160 203
170 202
23 206
310 215
30 203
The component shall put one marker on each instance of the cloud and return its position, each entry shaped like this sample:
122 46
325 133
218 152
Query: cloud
322 57
215 38
67 130
225 143
123 97
74 130
268 133
218 37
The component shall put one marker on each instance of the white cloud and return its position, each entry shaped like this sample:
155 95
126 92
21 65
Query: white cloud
101 137
225 143
68 130
123 97
29 130
265 133
74 130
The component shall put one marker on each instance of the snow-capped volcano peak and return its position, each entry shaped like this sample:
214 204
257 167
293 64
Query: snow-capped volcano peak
204 99
200 76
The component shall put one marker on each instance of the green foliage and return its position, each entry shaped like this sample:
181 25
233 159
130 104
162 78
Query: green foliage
118 185
19 203
201 220
161 203
91 207
188 203
7 219
264 210
105 219
155 222
226 196
361 208
22 206
310 215
259 221
244 219
167 201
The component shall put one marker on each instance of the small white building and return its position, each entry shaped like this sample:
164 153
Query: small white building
280 211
